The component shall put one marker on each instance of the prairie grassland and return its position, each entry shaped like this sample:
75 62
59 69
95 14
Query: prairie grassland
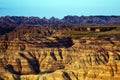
76 34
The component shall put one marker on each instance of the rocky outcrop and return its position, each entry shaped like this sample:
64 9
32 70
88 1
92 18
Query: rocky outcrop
84 20
85 59
40 49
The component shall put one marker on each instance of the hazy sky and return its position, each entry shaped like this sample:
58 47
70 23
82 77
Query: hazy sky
59 8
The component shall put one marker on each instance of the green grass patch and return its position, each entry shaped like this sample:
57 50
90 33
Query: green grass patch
75 34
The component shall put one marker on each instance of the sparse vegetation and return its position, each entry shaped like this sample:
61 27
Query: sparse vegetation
77 33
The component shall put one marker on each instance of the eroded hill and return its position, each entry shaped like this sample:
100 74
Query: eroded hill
60 53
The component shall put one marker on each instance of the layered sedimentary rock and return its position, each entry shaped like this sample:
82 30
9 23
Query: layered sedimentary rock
60 58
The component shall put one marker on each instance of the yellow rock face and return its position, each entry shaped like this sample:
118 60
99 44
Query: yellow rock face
86 59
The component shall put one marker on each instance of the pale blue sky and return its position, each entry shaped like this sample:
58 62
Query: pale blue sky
59 8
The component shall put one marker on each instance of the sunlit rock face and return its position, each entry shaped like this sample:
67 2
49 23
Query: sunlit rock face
60 58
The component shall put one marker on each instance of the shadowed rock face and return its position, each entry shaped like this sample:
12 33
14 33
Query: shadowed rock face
84 59
84 20
38 53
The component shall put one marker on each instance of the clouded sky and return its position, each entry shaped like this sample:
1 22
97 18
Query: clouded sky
59 8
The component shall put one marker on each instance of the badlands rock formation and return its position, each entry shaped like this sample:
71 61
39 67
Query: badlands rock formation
60 58
43 53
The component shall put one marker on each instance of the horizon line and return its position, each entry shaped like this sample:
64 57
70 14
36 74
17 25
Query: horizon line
58 17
